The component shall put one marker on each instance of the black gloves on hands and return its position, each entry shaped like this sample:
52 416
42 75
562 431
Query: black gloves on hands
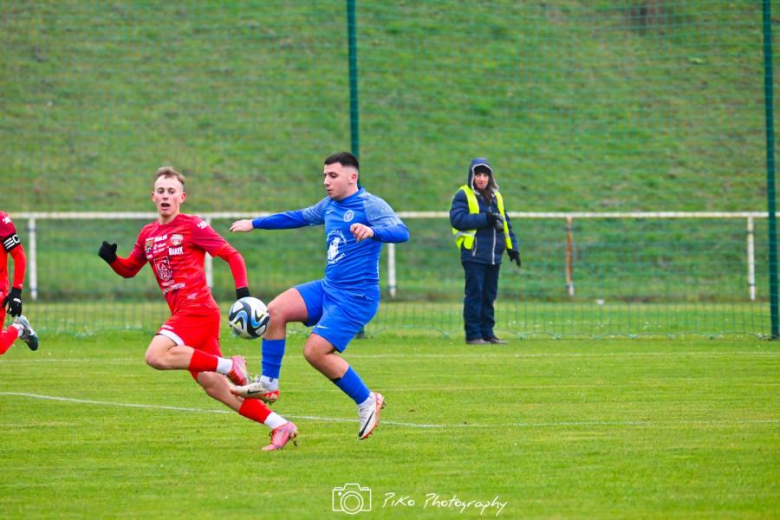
495 220
514 256
13 302
107 252
242 292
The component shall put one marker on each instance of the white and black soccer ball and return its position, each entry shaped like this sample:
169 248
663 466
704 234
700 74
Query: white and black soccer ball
248 318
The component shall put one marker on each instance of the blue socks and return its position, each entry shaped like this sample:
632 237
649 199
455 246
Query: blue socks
273 352
351 384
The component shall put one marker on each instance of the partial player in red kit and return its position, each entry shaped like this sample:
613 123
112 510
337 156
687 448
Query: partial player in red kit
175 247
12 298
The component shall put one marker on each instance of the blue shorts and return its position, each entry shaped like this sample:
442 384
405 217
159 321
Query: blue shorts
337 314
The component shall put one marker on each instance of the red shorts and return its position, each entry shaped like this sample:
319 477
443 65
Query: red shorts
199 332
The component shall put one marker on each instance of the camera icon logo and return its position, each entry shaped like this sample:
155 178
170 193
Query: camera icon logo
351 499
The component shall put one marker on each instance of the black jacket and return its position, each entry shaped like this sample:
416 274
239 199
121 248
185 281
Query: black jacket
489 244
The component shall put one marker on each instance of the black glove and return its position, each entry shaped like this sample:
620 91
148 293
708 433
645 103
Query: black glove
495 220
13 302
515 257
107 252
242 292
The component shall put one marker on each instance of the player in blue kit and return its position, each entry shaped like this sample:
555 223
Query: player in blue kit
339 305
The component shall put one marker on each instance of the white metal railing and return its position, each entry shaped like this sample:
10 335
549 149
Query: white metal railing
569 217
749 216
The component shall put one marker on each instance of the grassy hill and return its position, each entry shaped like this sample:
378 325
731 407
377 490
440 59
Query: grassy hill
581 105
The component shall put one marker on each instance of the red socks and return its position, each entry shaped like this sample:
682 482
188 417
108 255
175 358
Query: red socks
202 362
7 338
254 410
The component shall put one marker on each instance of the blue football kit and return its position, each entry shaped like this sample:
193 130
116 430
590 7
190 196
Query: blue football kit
340 304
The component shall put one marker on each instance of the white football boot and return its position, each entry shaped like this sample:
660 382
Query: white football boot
369 414
256 390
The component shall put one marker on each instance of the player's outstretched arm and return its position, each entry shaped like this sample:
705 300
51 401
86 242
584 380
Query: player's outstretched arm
298 218
287 220
241 226
124 267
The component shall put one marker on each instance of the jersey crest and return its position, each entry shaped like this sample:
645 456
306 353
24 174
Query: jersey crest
163 268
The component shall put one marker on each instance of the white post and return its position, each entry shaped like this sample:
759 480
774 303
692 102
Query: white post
751 260
391 269
570 255
209 263
32 262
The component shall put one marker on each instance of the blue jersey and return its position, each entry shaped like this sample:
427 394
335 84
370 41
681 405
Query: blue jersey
350 264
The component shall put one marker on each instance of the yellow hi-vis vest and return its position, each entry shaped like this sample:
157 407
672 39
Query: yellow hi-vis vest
466 238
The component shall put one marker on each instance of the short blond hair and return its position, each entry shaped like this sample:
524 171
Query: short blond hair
168 172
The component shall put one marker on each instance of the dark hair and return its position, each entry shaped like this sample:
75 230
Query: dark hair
343 158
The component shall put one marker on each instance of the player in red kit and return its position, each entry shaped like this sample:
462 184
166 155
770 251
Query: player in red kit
175 247
12 297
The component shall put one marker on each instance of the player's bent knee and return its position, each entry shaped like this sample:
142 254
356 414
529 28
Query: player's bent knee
157 353
277 313
154 360
157 359
314 356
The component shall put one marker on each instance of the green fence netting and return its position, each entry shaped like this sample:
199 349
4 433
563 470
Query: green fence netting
581 106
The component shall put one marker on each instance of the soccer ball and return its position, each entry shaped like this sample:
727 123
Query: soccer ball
248 318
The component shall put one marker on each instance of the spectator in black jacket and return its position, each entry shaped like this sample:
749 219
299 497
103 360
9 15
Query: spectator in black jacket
482 232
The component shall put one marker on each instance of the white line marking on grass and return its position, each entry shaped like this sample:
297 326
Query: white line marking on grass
90 361
646 423
109 403
196 410
520 355
405 424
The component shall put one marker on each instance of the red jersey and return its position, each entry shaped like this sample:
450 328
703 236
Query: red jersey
12 245
176 251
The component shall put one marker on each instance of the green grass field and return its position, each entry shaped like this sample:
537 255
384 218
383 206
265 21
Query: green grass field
581 105
644 428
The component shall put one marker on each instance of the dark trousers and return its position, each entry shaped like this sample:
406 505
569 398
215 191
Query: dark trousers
481 291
